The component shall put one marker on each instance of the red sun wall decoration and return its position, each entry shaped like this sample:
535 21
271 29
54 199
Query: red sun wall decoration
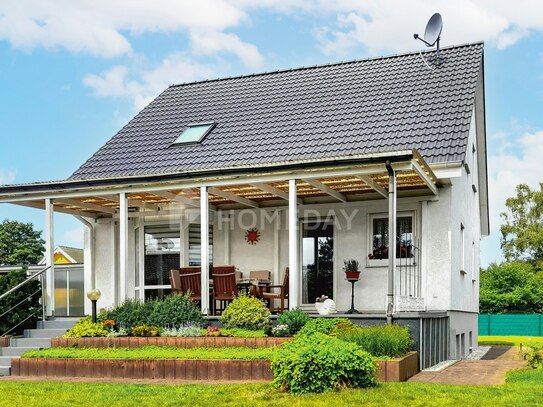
252 236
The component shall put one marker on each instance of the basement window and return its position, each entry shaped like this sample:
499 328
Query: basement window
194 133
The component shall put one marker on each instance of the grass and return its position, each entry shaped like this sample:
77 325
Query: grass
153 352
243 333
523 388
508 340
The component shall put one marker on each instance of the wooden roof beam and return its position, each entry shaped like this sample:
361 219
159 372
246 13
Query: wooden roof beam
233 197
326 189
425 177
38 205
87 205
274 191
373 185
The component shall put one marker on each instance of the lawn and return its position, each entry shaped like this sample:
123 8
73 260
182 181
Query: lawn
523 388
508 340
154 352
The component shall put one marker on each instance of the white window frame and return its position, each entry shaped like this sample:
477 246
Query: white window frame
463 249
384 262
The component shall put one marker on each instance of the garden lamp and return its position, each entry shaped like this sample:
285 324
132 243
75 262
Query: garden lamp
94 295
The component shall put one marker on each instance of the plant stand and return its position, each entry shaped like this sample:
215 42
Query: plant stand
352 310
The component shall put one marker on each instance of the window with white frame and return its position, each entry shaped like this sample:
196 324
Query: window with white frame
379 240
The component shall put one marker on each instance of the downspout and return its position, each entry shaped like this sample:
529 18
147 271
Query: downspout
392 191
92 239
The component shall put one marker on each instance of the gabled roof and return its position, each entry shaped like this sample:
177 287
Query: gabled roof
322 112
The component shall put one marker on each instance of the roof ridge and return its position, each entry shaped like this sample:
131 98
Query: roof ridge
302 68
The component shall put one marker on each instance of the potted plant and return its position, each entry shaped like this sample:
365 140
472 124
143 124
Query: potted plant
351 268
213 331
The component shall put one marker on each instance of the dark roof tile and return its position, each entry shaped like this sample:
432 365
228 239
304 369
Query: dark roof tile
365 106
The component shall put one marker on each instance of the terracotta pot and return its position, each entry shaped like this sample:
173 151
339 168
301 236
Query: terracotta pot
352 275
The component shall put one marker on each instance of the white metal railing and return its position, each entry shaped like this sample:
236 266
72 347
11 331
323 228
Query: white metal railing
41 275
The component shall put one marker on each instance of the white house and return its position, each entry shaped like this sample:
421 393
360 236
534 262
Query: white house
300 168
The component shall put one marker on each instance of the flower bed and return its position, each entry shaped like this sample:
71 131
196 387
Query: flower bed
394 370
197 342
398 370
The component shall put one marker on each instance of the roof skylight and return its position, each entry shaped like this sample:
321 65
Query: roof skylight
194 133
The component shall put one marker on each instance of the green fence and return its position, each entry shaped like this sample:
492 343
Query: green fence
511 324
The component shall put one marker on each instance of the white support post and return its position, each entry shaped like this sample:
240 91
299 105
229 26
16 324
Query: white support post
276 247
204 241
123 245
50 256
293 264
184 240
391 241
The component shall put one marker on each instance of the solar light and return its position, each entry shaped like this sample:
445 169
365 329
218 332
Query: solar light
94 295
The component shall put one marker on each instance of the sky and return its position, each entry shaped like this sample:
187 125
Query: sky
72 73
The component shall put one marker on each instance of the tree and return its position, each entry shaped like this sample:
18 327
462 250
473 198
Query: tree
522 230
511 287
20 244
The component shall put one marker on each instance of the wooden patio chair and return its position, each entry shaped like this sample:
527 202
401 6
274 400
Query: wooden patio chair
224 289
223 269
175 281
281 295
260 274
187 279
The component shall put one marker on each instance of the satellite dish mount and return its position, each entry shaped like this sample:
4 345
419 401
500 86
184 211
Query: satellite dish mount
432 36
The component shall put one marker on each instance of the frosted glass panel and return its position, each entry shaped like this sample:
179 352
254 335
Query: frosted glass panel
61 293
77 294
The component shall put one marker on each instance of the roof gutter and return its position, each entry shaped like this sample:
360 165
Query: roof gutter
110 182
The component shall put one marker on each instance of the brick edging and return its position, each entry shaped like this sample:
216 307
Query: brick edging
172 369
4 341
198 342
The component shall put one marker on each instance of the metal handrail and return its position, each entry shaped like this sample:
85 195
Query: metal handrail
22 284
22 301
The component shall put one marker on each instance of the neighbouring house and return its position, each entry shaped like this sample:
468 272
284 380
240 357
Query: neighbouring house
302 168
69 279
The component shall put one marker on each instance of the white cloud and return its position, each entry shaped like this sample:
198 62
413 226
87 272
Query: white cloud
211 43
102 27
73 237
119 80
7 176
389 25
513 166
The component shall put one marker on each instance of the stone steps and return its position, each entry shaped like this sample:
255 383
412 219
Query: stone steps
33 339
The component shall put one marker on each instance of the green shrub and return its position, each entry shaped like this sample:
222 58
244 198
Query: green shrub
26 308
326 326
171 311
246 313
175 310
534 355
319 363
86 328
295 320
132 312
380 341
145 330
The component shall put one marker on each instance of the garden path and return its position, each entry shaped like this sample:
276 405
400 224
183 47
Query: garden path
490 370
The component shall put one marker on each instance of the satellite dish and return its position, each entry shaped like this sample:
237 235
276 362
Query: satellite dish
433 29
432 35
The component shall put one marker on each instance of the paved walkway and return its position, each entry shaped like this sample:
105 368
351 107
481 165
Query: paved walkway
490 370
